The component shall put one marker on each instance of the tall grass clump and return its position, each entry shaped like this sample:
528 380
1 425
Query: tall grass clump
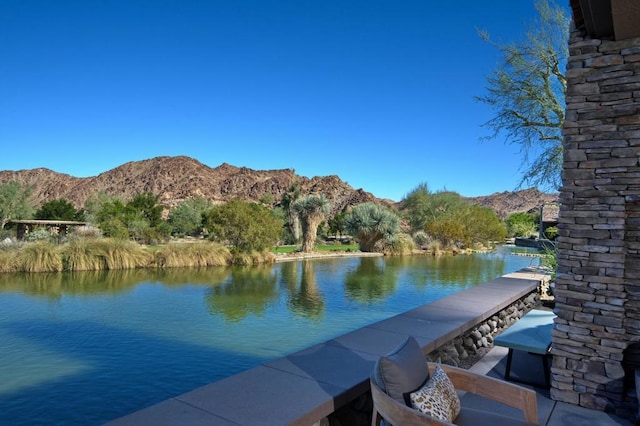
253 258
178 255
39 257
83 255
121 254
8 261
397 245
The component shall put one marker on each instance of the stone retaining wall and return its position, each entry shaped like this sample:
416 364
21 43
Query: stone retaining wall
481 336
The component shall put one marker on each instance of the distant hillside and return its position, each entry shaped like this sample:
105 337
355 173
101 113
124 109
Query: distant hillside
175 179
528 200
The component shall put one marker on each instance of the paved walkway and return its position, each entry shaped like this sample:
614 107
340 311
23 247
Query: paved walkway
550 413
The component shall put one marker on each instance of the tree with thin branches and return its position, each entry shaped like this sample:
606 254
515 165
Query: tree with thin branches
14 202
526 93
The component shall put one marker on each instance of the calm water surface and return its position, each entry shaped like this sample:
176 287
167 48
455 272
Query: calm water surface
85 348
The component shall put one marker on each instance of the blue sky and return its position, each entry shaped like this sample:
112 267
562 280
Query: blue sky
378 92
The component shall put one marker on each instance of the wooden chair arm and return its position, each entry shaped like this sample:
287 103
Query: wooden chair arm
397 413
497 390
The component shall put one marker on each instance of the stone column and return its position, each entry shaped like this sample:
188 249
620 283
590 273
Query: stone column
597 290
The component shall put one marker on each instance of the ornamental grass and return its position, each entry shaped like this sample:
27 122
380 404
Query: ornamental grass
195 255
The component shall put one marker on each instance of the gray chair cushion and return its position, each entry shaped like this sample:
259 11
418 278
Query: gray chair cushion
402 371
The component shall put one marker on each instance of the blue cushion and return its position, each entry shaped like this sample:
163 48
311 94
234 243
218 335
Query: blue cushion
402 371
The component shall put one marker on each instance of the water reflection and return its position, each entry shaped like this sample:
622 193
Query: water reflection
248 290
371 281
57 284
304 297
449 270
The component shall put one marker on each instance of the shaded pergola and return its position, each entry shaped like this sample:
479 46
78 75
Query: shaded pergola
61 227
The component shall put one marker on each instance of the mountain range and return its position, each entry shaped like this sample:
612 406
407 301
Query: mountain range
175 179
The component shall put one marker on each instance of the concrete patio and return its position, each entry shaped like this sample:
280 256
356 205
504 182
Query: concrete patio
550 413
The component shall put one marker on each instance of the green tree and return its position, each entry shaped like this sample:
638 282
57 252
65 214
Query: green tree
245 226
112 219
338 224
59 209
416 207
446 217
93 204
370 223
14 202
484 225
145 206
311 210
466 225
521 224
526 93
186 219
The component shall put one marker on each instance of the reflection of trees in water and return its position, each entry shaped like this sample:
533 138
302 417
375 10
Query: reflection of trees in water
371 281
57 284
248 290
85 283
449 270
304 298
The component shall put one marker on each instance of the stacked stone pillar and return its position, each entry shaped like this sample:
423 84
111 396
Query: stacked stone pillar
597 290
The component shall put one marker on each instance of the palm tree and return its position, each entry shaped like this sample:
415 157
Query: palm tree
311 210
288 198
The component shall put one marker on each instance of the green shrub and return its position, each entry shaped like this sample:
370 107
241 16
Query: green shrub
85 232
39 234
551 232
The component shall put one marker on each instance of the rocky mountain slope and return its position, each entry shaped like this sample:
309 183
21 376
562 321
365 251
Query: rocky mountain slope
528 200
175 179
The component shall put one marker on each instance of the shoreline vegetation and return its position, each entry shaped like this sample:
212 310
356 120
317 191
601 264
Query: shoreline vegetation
115 254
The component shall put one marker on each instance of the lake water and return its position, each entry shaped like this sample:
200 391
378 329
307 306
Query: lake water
85 348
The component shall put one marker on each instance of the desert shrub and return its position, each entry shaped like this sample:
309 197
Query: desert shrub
421 239
435 247
39 234
398 244
86 232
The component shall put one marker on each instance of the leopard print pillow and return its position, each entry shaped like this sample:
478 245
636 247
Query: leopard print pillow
437 398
